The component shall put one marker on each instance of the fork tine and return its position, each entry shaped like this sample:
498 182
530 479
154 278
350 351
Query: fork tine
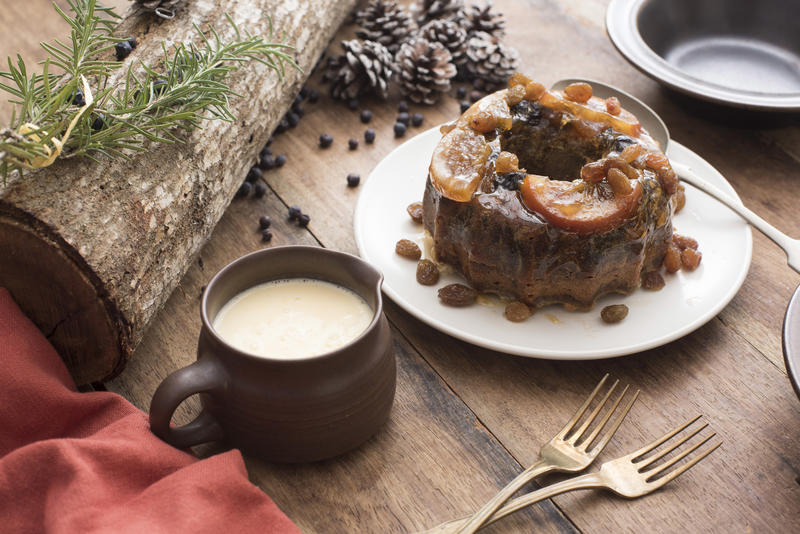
592 416
647 461
650 446
611 431
598 427
672 461
571 423
682 469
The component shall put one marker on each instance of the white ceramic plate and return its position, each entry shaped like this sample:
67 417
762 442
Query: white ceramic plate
688 300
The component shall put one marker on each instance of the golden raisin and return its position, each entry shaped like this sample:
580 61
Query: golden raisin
614 313
680 198
408 249
579 92
506 162
666 176
672 259
534 91
619 182
690 259
684 242
483 122
427 273
593 172
653 281
517 79
457 295
415 211
612 106
517 312
515 95
631 152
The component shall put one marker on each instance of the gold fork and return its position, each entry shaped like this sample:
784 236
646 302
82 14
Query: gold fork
567 452
630 476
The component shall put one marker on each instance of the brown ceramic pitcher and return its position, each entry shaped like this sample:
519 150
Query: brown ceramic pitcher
296 410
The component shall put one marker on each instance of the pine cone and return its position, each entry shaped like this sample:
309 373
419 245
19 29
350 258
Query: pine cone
385 22
450 34
163 8
427 10
484 20
365 67
424 70
489 59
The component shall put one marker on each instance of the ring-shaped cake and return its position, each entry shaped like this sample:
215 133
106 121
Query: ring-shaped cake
549 197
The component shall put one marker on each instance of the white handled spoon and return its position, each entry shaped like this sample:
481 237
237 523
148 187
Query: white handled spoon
658 131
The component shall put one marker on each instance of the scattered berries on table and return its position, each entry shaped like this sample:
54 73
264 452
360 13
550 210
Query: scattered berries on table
464 106
403 117
293 119
280 160
325 140
369 135
474 96
366 116
352 143
244 189
303 219
353 104
353 180
313 96
299 110
253 174
267 162
399 129
402 107
266 235
294 212
260 189
264 222
417 118
461 93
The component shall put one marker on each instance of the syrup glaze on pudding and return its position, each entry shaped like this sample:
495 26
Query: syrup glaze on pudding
549 197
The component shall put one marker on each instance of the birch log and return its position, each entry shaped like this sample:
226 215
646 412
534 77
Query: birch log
91 251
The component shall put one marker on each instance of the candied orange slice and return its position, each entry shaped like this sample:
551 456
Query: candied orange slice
493 105
594 110
459 163
579 206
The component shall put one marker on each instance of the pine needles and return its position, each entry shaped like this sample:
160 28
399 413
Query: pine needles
70 110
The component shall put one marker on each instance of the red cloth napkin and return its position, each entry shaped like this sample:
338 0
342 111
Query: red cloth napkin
87 462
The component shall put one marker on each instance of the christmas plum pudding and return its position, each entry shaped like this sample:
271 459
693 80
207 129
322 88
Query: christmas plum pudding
549 197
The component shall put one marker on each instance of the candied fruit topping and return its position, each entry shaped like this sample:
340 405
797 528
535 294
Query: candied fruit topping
680 198
593 172
614 313
518 79
683 242
534 91
458 164
613 106
415 211
515 95
672 259
690 259
408 249
666 176
619 182
579 206
494 105
483 122
506 162
579 92
631 152
517 311
457 295
593 110
427 273
653 281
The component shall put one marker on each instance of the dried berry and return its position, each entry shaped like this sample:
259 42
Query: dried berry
280 160
474 96
619 182
427 273
369 135
417 119
313 96
402 107
593 172
415 211
653 281
266 151
260 189
264 222
253 174
612 106
353 180
353 104
266 235
399 129
404 117
408 249
478 83
294 212
483 122
579 92
325 140
680 198
683 242
515 95
672 259
517 311
366 116
99 122
690 259
293 119
457 295
267 162
244 190
464 106
614 313
303 219
298 110
461 93
352 143
122 50
534 91
506 162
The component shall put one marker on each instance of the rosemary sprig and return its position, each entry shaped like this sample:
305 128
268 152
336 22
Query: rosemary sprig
151 103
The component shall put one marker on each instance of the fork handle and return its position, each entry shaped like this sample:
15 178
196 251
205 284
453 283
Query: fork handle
587 481
477 520
789 245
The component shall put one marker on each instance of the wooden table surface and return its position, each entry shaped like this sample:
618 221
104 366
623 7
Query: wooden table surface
466 420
